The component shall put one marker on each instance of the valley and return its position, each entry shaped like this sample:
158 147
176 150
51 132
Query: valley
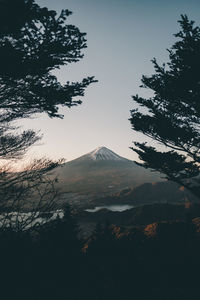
102 172
103 187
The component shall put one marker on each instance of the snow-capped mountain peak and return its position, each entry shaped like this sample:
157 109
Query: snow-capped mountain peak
103 153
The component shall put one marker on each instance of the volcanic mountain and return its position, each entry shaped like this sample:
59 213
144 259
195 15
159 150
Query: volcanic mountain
102 171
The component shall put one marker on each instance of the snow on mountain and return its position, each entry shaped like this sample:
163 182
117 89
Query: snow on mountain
103 153
102 171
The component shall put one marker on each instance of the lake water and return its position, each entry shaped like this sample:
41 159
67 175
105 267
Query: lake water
114 207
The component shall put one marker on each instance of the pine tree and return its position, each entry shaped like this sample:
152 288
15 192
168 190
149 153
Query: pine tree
172 115
34 41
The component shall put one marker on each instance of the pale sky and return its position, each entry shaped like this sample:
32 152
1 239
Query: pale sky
122 37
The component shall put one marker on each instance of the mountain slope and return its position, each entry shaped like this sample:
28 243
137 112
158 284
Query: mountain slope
148 193
102 171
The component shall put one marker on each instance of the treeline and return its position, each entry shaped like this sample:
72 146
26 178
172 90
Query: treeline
159 261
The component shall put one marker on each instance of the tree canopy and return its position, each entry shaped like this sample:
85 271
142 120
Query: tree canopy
172 115
34 41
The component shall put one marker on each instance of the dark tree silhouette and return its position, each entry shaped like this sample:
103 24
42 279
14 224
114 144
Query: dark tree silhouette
172 114
34 41
102 242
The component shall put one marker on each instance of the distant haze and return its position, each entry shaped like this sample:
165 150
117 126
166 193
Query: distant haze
123 36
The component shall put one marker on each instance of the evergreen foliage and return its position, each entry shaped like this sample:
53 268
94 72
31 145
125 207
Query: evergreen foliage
172 114
32 45
34 41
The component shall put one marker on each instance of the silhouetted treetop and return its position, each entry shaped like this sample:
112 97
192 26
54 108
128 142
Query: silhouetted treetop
37 42
33 42
172 115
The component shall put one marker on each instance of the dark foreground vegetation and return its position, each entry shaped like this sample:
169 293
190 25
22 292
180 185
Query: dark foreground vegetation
157 261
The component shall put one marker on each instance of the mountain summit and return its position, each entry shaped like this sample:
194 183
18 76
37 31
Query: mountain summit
103 153
102 171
